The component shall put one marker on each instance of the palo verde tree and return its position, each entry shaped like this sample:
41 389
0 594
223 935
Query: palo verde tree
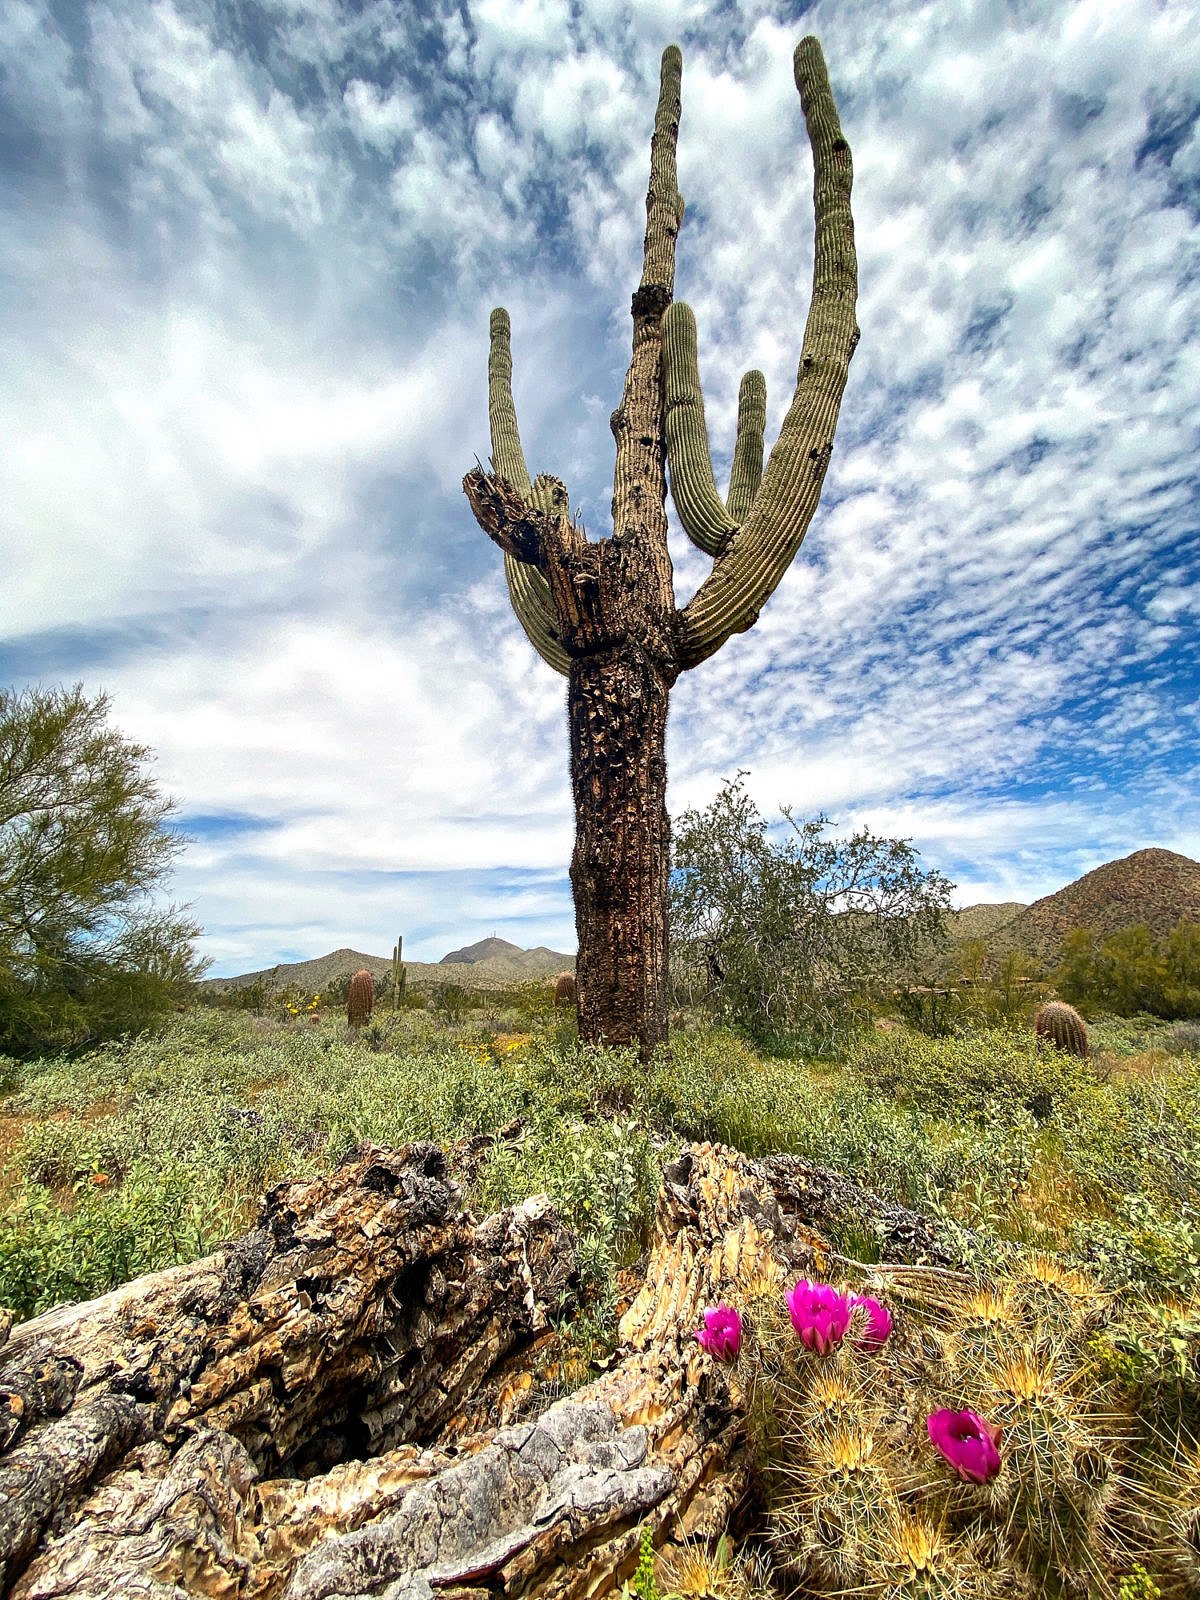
603 612
795 935
87 949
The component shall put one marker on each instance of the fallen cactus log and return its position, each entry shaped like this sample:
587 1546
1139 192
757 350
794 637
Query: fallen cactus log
343 1404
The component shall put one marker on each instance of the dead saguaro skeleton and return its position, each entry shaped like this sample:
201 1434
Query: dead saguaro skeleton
603 612
345 1403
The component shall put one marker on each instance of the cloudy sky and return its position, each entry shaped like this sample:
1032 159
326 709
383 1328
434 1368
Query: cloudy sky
247 256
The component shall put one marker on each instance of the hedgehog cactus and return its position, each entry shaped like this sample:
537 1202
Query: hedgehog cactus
360 998
863 1501
1061 1025
603 612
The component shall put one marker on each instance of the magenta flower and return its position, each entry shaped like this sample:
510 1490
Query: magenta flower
969 1444
879 1322
721 1334
820 1315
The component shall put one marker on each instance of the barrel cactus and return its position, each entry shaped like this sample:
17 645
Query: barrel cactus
564 989
1061 1025
360 998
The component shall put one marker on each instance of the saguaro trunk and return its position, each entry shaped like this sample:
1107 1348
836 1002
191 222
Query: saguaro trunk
617 707
604 615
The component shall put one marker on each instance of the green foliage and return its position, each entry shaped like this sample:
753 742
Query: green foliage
223 1103
85 951
981 1077
644 1584
1132 972
451 1000
1137 1584
604 1175
793 937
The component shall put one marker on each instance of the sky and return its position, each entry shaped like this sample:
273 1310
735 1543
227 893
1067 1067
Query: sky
247 257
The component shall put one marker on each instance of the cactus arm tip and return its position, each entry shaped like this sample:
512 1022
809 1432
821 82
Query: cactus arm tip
745 475
748 571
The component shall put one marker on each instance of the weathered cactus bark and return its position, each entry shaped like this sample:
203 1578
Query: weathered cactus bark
345 1403
603 613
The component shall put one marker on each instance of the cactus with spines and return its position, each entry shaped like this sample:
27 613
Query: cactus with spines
604 613
360 999
1059 1024
564 989
862 1504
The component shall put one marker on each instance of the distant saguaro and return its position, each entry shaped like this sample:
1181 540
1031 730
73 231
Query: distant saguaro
603 612
399 974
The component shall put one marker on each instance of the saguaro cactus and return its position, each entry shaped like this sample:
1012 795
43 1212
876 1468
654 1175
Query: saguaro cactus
603 612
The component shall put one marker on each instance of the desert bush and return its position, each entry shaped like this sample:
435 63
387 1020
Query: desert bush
603 1175
788 941
1182 1040
979 1077
87 950
1132 971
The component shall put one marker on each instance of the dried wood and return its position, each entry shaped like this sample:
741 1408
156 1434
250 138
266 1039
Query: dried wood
346 1403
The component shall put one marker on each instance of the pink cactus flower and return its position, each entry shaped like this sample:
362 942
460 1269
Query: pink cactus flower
820 1315
968 1443
721 1334
879 1322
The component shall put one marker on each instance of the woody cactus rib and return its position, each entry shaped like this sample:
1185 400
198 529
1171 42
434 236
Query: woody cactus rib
745 575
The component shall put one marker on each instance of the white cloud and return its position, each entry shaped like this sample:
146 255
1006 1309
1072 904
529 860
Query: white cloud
246 351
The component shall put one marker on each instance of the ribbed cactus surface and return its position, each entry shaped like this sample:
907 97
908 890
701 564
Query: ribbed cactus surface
564 989
1061 1025
360 999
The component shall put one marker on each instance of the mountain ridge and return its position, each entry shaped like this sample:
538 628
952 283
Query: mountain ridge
496 972
1153 886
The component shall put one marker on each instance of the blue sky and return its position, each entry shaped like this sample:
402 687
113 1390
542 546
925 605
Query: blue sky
247 258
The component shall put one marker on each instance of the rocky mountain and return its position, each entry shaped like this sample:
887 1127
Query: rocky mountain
1157 888
483 950
490 964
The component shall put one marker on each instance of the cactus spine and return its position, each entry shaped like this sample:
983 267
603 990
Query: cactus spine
1061 1025
603 613
360 998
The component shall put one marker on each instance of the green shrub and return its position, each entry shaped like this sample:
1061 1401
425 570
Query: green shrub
975 1077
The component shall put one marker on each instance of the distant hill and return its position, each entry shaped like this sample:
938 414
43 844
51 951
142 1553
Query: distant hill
503 964
1155 887
983 920
484 950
